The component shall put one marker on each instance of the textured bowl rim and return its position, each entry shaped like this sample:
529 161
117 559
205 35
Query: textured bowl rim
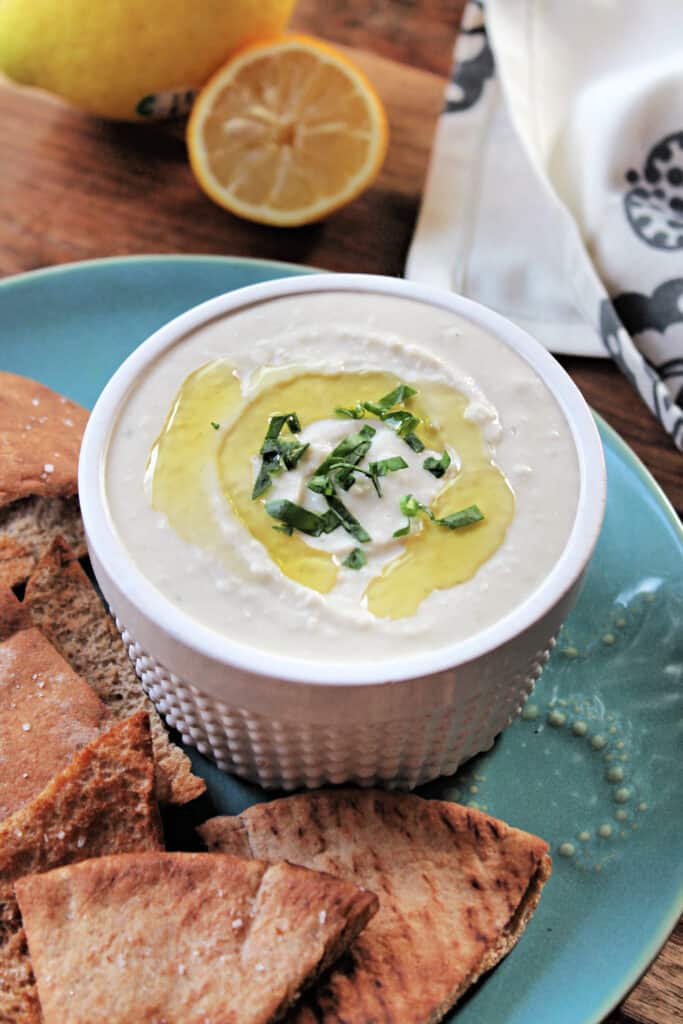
118 564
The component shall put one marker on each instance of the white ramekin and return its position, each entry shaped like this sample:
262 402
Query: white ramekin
284 723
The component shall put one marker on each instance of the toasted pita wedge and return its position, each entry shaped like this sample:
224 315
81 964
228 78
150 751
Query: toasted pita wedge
64 605
103 802
183 938
13 614
40 439
47 713
27 527
456 890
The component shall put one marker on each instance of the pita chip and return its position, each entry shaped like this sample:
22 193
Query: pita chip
101 803
40 440
13 614
456 890
183 938
47 713
65 606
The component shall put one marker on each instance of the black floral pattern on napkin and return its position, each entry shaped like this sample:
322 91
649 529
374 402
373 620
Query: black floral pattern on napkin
474 62
654 206
653 384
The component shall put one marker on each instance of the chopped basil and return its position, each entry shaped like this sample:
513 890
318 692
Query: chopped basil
401 421
414 442
465 517
216 426
274 451
347 519
355 559
356 413
385 466
276 424
437 467
375 408
397 396
330 521
263 481
411 507
291 452
321 483
342 473
299 518
351 449
339 470
404 423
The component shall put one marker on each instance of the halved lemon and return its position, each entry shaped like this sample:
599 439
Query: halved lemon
287 131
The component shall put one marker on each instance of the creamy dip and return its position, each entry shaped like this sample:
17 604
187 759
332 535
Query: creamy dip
184 459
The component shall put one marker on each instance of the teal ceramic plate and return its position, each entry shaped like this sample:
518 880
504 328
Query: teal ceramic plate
593 764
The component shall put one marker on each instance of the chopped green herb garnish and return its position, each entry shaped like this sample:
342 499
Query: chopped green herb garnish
342 473
276 424
299 518
321 483
355 559
339 470
291 452
263 481
400 421
411 507
437 467
330 521
414 442
283 528
275 452
356 413
347 519
397 396
375 408
384 466
465 517
351 449
404 423
216 426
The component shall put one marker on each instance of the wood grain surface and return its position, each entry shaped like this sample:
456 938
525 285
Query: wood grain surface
73 187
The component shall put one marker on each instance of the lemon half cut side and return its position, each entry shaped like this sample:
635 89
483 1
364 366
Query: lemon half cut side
286 132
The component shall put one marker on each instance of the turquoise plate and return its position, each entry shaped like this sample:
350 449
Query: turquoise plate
593 765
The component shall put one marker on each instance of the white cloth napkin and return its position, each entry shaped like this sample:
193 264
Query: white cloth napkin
555 190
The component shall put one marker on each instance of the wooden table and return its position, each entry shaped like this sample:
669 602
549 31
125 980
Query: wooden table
73 188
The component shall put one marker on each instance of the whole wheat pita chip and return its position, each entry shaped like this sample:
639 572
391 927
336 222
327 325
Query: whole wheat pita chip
47 713
28 526
183 938
13 614
456 890
64 605
102 802
40 440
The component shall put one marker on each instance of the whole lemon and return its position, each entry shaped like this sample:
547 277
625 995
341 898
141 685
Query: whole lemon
129 59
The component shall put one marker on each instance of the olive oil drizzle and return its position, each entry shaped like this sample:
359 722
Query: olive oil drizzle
191 458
